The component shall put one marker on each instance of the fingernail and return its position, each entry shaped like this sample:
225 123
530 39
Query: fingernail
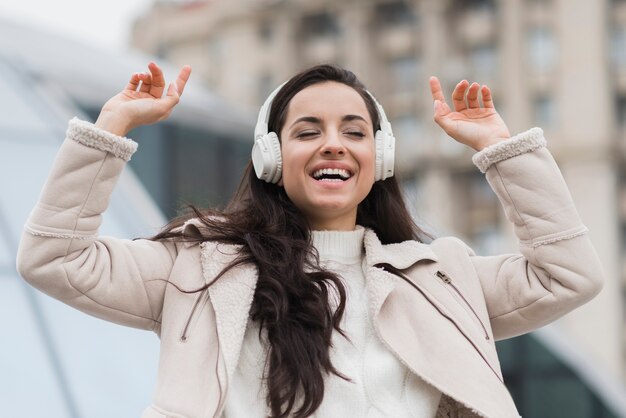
436 104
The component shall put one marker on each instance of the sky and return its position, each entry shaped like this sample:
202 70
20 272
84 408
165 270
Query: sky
104 24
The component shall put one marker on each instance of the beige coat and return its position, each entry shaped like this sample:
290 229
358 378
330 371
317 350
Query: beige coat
440 314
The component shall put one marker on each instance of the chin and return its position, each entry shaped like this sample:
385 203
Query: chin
332 210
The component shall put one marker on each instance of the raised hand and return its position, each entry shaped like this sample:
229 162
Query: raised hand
469 124
142 101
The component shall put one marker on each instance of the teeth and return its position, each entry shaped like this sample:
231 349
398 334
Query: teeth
344 174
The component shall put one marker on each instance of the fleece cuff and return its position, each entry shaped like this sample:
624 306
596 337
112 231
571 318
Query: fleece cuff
87 134
519 144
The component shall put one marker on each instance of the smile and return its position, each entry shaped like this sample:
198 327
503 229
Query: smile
331 174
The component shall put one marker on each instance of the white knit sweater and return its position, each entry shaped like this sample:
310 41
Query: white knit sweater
381 386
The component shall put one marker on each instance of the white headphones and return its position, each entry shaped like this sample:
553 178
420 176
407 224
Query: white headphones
267 159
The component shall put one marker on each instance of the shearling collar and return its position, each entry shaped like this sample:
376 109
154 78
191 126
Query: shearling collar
401 255
233 293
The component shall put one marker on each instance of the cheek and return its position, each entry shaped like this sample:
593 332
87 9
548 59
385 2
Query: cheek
293 166
367 158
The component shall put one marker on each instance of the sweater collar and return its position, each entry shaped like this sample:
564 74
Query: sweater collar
339 245
401 255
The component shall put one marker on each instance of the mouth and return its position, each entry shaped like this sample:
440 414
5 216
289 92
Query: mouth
332 175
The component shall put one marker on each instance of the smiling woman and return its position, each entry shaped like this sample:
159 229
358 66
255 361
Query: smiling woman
313 292
328 154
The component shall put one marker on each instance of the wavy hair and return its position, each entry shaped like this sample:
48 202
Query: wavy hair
293 296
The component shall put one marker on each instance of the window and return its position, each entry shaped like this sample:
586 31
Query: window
618 47
476 5
620 111
544 385
394 13
542 3
483 59
320 25
407 128
414 191
477 211
404 73
542 49
474 23
266 31
411 143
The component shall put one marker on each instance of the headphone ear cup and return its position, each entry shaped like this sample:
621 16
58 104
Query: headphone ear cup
385 155
266 158
277 158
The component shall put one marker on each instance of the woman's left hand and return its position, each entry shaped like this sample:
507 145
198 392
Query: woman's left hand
469 124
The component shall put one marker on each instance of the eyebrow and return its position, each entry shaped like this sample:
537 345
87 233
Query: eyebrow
313 119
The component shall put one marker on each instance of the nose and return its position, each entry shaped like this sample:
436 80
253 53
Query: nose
333 146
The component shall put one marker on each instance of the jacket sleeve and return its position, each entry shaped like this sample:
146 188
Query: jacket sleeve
558 268
60 252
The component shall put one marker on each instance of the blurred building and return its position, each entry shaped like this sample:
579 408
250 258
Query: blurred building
558 64
57 362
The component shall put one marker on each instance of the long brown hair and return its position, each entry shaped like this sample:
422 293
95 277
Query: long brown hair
291 299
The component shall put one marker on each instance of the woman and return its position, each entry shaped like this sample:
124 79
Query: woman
311 294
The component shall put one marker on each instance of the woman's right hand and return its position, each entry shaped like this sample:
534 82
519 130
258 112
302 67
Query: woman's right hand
135 106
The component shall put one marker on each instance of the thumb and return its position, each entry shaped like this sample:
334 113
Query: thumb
172 89
171 99
441 109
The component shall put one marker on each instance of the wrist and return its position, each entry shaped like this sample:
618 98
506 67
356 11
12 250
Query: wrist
113 123
482 145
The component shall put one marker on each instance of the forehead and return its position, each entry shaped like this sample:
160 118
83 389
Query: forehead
328 99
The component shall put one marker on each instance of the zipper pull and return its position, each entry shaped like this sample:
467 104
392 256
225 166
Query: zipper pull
443 276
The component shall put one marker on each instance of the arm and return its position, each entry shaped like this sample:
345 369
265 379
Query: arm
60 251
558 268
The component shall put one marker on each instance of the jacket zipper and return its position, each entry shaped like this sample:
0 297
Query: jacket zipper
184 335
447 280
398 272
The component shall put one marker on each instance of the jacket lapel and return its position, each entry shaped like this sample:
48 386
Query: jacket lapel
231 297
401 255
405 255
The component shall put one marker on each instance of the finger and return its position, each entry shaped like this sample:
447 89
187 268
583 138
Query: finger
458 96
146 82
172 91
158 81
487 98
441 110
472 96
182 78
133 83
435 89
172 96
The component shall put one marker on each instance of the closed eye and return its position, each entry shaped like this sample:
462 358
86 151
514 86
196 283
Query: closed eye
306 134
357 134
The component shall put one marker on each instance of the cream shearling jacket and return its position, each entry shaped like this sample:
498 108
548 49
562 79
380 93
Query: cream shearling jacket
438 307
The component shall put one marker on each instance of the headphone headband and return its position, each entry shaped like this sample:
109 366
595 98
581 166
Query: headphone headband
264 114
263 119
385 126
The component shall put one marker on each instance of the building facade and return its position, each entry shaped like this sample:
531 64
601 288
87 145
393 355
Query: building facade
557 64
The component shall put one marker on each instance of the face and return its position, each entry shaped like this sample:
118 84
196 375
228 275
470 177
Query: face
328 154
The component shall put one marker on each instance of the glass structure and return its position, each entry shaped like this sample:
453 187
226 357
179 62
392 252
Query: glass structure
55 361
